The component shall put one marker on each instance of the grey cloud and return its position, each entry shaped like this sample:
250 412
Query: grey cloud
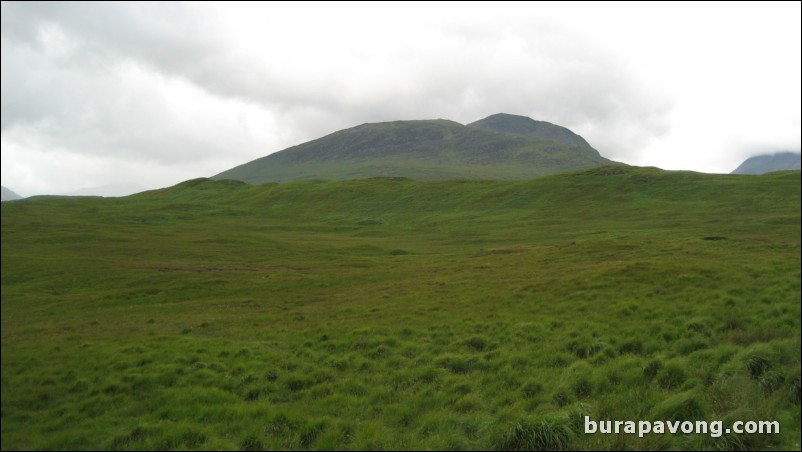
87 78
164 33
80 78
171 38
565 81
559 77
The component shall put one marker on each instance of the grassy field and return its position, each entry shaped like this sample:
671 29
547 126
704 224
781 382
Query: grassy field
399 314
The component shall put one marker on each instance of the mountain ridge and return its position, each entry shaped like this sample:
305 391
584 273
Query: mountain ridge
766 163
501 146
523 125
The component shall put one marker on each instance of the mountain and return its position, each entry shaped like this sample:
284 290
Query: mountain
501 146
767 163
9 195
522 125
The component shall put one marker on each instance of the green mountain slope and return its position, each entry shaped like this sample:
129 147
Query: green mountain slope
390 313
427 150
767 163
522 125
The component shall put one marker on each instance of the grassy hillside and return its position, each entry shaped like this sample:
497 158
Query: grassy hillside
428 150
400 314
522 125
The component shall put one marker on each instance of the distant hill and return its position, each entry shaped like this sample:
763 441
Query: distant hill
767 163
501 146
108 190
9 195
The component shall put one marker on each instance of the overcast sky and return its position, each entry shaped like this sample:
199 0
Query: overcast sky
150 94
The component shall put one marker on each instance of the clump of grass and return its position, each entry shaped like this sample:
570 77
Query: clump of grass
531 389
309 432
651 369
137 435
558 360
757 366
634 346
739 441
468 404
457 364
687 346
671 376
543 434
297 383
251 443
251 395
79 386
795 390
576 416
582 387
681 407
427 375
585 349
192 439
771 381
562 398
115 388
477 343
281 425
732 323
731 441
698 326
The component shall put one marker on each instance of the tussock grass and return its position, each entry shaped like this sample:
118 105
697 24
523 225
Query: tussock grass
540 434
214 315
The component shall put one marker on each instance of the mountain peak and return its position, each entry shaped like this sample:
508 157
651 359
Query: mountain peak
506 120
501 146
524 125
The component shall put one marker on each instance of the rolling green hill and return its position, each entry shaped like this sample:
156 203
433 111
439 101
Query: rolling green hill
767 163
499 147
389 313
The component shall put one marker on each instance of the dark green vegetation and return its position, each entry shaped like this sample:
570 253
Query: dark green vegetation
390 313
767 163
498 147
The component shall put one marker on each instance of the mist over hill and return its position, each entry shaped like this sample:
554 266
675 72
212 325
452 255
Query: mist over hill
108 190
9 195
767 163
